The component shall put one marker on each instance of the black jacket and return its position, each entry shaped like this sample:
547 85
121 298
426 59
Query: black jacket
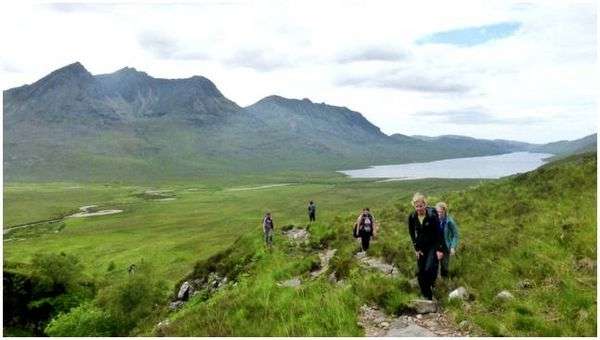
427 235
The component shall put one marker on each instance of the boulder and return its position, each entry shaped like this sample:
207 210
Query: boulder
459 293
423 306
185 291
504 295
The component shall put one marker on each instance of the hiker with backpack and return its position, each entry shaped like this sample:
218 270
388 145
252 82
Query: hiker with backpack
365 228
449 230
427 240
312 211
268 229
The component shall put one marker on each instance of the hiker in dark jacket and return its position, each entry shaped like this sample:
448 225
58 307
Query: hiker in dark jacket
312 211
423 224
365 228
268 229
449 229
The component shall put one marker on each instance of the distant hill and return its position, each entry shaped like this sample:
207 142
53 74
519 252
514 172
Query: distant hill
127 125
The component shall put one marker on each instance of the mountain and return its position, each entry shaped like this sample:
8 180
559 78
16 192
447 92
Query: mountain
127 125
566 148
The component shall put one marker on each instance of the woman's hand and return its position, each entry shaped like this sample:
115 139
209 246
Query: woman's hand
418 253
440 255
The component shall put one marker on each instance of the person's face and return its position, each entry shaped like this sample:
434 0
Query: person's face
420 207
441 212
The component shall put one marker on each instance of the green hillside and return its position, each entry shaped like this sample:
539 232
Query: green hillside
532 234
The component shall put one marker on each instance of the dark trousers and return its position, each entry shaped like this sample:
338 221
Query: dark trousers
365 239
311 217
445 265
427 272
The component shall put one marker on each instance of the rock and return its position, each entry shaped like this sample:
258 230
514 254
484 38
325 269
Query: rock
586 264
414 283
525 284
332 278
504 295
295 282
176 305
423 306
297 235
377 264
460 293
160 329
582 314
464 325
185 291
410 331
419 316
384 324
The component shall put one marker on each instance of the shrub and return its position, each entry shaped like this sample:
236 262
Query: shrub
85 320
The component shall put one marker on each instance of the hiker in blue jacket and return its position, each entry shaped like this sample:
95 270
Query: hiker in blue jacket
449 229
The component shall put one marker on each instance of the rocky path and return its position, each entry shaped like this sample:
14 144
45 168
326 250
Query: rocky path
428 321
376 323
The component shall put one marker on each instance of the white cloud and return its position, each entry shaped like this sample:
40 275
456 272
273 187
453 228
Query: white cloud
545 72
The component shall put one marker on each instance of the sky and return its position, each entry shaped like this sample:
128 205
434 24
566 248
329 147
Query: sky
524 71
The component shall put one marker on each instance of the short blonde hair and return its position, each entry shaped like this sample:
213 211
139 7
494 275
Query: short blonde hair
441 205
419 197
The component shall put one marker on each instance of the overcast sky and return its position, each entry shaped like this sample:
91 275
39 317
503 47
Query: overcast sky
513 70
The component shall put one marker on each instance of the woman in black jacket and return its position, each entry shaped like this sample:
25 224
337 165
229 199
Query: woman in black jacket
427 242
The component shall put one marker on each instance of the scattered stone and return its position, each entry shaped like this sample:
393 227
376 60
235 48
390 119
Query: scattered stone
460 293
176 305
504 295
582 314
525 284
332 278
295 282
297 235
325 257
419 316
377 264
384 324
160 329
423 306
414 283
586 264
464 325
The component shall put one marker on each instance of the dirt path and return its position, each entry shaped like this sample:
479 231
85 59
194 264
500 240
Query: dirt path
86 211
259 187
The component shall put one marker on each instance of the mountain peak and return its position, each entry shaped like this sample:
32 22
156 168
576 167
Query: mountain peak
75 69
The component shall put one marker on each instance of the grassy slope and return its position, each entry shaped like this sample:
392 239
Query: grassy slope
174 234
520 228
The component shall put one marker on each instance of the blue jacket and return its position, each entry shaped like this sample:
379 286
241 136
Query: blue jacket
450 234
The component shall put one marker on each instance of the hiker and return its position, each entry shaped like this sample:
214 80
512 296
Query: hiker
423 227
449 230
312 210
268 229
365 228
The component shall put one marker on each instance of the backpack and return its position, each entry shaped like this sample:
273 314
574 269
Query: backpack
366 224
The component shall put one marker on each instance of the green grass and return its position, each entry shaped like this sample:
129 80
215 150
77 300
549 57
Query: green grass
538 226
174 234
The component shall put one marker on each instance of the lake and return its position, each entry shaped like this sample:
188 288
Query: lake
471 167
